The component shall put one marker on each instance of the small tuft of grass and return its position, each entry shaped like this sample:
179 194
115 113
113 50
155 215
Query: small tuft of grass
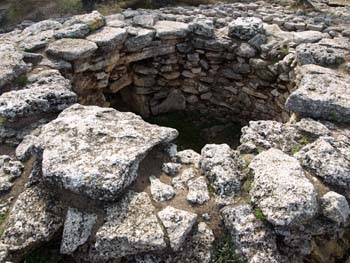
248 185
22 81
225 251
305 140
295 149
69 6
259 214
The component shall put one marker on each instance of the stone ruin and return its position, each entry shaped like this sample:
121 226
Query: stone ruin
103 185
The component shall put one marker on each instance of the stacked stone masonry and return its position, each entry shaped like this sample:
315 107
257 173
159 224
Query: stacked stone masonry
110 187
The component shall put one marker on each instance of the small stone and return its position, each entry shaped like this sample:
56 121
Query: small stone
161 191
180 181
198 191
171 168
178 224
335 207
73 31
187 157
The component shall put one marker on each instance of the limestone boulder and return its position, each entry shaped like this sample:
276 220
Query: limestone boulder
282 203
131 228
255 241
77 229
12 64
108 38
178 224
221 166
96 151
335 207
71 48
171 29
328 159
35 218
161 191
321 94
245 28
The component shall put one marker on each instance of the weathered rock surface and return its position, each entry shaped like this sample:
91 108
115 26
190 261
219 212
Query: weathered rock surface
171 29
335 207
178 224
12 64
246 28
282 204
35 218
77 230
321 94
328 159
96 151
221 165
131 228
10 170
255 241
161 191
198 191
71 48
108 38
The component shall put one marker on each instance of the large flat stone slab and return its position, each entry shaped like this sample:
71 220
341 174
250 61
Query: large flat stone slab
171 29
71 48
96 151
322 94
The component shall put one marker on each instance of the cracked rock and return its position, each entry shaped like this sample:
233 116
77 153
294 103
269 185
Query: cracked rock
178 224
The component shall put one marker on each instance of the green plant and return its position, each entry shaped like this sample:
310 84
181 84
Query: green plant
296 148
69 6
259 214
2 120
305 140
225 252
22 81
248 185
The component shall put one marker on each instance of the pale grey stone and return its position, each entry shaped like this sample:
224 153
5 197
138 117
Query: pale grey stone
131 228
198 191
171 29
178 224
35 218
108 38
171 168
10 170
282 204
73 31
71 49
111 146
12 64
161 191
221 165
321 94
245 28
335 207
93 20
180 181
255 241
187 157
140 38
328 159
77 230
144 20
